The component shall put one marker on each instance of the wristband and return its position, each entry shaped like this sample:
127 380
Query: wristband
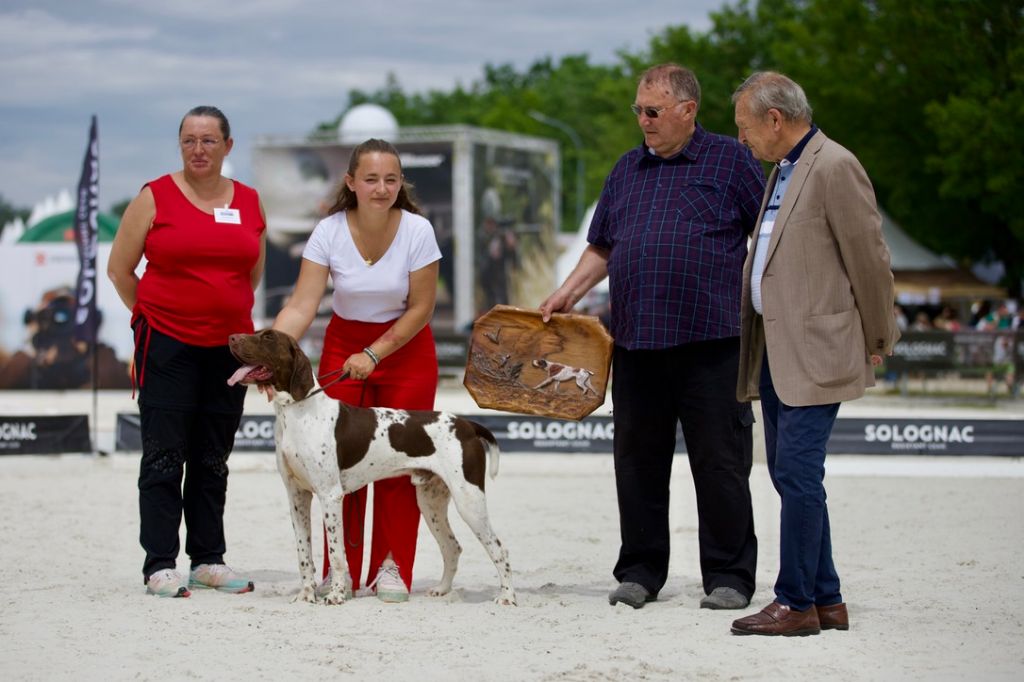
373 356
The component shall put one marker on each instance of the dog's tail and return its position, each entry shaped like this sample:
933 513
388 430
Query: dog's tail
490 444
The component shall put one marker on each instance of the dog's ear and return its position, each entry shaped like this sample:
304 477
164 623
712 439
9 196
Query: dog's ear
302 373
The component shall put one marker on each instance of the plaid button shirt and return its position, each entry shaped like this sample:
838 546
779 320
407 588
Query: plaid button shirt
676 230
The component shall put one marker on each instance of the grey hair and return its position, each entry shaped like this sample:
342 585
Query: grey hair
771 90
680 80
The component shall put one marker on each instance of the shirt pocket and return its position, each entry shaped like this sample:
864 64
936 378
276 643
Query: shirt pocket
700 201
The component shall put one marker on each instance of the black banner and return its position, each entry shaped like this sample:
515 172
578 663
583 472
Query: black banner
128 433
540 434
942 350
452 350
514 433
595 434
922 350
49 435
255 433
87 240
990 437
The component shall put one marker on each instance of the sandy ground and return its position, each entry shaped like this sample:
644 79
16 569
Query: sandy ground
931 552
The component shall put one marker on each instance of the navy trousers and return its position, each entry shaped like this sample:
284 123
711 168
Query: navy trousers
795 439
653 392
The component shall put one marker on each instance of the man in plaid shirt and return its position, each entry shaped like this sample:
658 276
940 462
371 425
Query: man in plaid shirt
670 232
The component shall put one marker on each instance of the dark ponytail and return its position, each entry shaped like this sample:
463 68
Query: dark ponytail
213 112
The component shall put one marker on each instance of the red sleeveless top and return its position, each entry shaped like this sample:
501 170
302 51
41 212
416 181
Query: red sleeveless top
197 283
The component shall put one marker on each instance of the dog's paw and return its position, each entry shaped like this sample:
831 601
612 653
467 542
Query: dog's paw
439 590
506 598
306 594
334 598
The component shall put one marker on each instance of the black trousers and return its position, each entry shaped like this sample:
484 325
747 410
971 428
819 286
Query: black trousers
189 416
653 391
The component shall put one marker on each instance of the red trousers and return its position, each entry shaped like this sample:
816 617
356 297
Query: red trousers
406 379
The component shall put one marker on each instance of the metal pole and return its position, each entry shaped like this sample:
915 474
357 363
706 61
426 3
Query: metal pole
565 128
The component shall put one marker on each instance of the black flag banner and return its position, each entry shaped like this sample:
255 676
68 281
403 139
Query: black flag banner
87 240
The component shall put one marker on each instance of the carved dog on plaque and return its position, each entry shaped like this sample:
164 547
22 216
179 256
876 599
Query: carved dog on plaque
517 363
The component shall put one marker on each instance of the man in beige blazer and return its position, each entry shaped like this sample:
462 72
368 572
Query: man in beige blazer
816 317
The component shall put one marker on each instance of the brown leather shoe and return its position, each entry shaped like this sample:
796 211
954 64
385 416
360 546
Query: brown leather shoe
833 617
777 619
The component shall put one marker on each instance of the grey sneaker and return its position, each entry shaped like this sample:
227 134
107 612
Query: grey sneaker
631 594
724 598
389 584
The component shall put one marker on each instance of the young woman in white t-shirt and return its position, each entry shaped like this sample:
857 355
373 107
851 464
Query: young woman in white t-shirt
382 257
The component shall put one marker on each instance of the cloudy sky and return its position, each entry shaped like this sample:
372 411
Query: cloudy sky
273 66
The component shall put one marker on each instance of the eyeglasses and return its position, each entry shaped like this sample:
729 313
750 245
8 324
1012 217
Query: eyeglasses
652 112
207 142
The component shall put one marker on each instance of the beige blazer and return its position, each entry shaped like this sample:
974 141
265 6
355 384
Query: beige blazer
827 289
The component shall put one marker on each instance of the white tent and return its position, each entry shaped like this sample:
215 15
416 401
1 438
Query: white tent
923 277
571 255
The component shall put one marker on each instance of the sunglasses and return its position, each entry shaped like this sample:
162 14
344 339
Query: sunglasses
651 112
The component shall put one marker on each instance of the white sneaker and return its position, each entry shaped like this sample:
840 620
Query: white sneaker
324 587
390 586
167 583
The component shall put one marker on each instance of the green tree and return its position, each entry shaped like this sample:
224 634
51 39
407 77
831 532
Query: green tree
978 157
926 94
8 212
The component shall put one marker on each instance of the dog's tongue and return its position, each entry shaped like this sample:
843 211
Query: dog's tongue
240 374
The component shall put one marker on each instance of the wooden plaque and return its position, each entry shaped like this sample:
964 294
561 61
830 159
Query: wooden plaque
517 363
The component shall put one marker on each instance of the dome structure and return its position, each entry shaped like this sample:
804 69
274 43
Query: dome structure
364 121
60 227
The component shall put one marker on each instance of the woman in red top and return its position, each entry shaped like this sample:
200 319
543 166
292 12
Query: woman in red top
203 236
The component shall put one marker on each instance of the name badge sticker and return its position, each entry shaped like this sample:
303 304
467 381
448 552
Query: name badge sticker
227 215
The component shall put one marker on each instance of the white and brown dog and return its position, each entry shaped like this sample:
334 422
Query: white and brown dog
328 448
557 373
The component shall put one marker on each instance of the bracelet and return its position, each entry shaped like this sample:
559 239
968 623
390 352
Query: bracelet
373 356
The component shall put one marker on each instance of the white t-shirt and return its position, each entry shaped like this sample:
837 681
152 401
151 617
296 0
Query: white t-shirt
378 292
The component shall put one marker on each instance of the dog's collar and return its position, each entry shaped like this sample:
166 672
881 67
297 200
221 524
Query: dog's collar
338 374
